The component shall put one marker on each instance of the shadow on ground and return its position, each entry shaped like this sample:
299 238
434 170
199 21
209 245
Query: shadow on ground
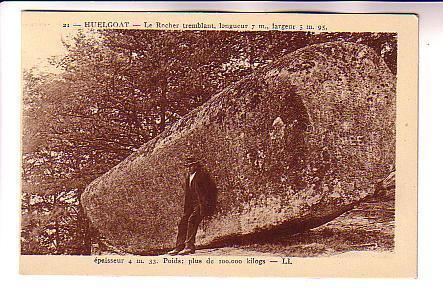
368 227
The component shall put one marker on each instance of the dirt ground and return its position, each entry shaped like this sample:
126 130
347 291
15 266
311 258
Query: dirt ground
368 227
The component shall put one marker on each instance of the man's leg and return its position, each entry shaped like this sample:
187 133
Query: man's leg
193 223
181 235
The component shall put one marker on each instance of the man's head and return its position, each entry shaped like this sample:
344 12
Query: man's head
191 163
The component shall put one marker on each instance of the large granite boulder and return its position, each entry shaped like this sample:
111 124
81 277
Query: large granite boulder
290 148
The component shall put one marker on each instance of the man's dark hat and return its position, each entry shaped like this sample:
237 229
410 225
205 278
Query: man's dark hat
189 161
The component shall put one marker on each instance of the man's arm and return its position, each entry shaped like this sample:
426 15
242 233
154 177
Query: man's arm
201 191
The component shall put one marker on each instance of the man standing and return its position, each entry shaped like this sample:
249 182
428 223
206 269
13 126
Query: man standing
200 194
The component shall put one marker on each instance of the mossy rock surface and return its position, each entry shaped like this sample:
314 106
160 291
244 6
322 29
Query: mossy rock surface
289 147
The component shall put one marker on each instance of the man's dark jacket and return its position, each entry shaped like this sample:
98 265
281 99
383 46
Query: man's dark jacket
201 192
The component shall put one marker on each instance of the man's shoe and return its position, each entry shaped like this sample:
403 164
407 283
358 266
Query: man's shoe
174 252
186 251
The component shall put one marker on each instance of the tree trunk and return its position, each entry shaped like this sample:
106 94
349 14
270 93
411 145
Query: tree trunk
85 230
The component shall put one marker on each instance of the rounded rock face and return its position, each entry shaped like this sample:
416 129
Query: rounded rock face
290 147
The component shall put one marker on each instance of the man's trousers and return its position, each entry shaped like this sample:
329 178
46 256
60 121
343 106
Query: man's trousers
187 229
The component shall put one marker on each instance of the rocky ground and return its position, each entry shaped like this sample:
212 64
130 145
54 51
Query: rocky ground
368 227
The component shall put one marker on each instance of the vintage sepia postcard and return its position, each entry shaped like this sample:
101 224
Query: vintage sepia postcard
219 144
